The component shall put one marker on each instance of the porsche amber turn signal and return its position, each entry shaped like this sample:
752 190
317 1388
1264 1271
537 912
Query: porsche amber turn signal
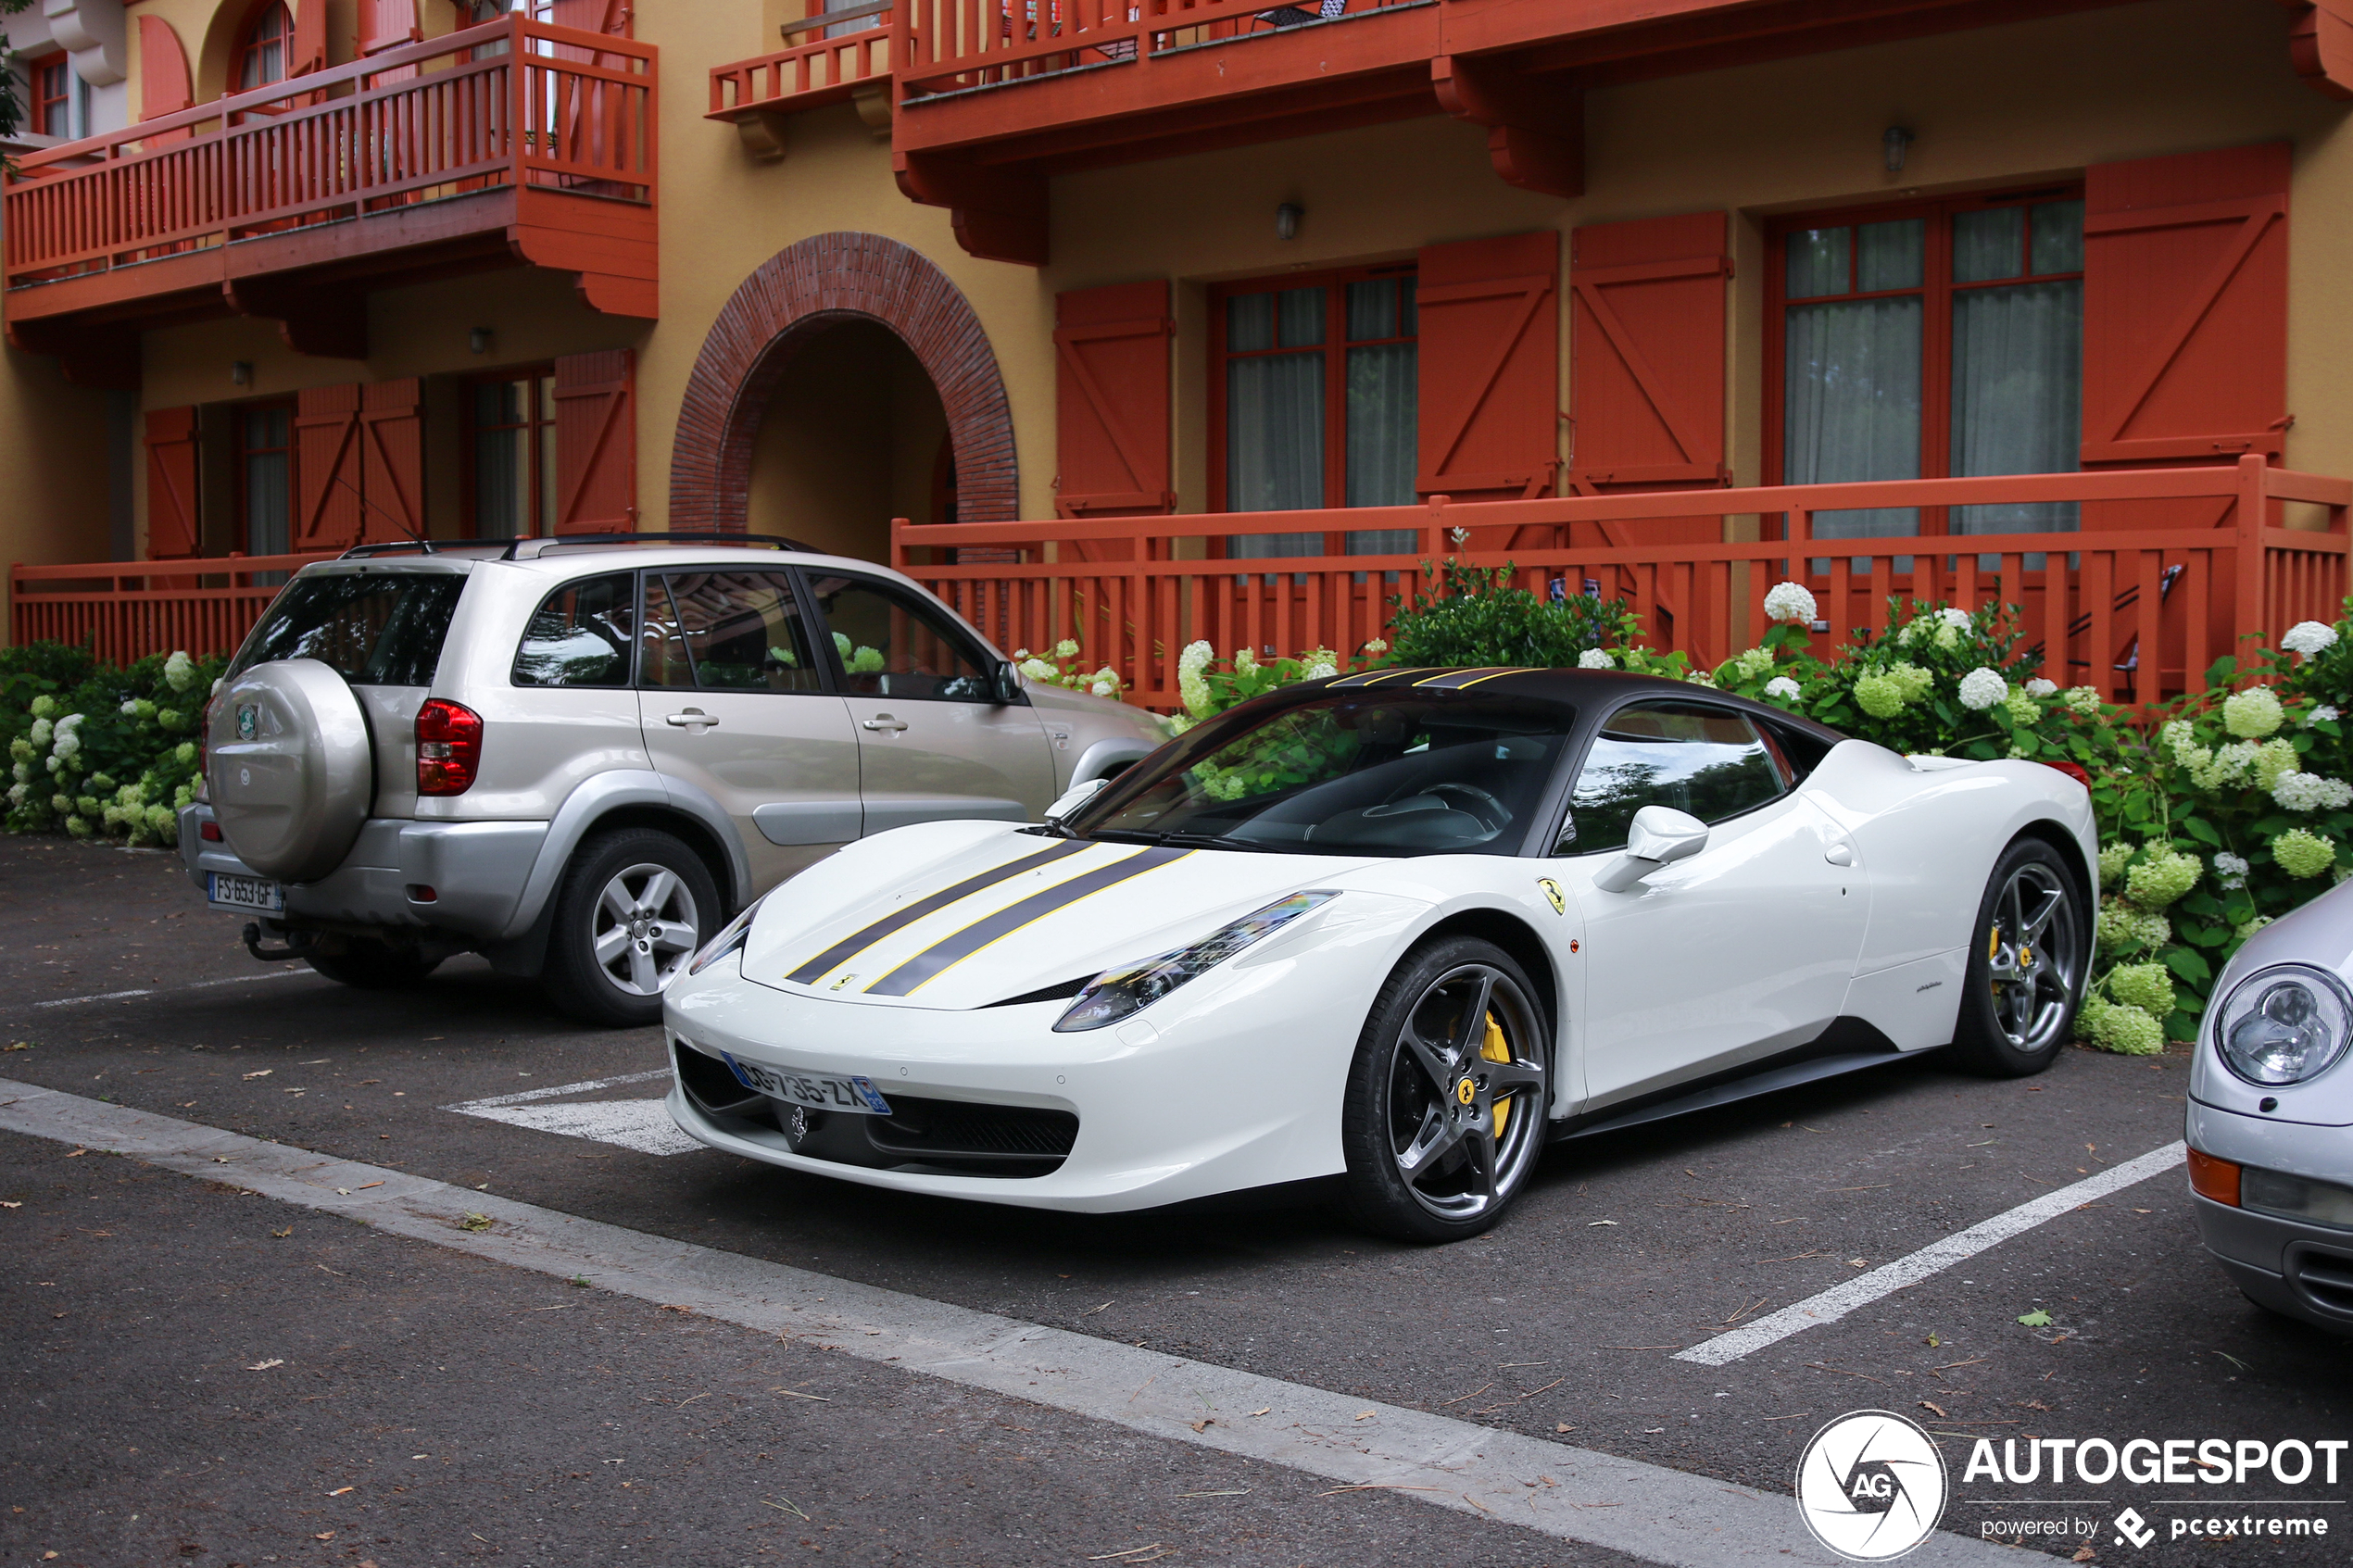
2214 1179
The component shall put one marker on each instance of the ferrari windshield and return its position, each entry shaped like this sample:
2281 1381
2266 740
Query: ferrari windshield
1347 772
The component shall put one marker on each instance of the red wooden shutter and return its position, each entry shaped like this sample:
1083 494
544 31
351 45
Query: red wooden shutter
1489 381
392 461
2186 307
1646 353
384 24
328 515
597 443
1110 401
163 76
310 38
173 533
594 16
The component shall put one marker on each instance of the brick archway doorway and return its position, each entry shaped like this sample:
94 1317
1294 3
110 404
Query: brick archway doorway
793 301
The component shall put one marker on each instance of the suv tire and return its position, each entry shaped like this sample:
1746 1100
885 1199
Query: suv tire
632 908
370 965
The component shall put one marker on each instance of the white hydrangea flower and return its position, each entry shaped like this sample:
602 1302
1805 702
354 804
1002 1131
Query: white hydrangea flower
2084 700
1958 620
179 672
130 709
1781 686
1378 646
2310 791
2253 712
2040 688
69 745
1066 648
1105 688
2308 637
16 794
1982 688
1192 685
1320 671
1789 603
2230 871
21 772
1037 669
2324 714
41 734
1596 659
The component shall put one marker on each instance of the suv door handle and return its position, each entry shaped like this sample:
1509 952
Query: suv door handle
692 718
882 721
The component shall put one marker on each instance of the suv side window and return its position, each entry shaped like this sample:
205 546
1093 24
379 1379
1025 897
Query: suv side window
1709 761
893 643
726 631
580 634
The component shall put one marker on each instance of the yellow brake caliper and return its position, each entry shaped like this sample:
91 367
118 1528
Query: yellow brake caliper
1993 951
1496 1048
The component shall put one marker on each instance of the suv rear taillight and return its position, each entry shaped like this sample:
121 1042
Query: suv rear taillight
449 747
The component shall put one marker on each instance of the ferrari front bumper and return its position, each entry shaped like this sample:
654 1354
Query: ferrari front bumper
1239 1088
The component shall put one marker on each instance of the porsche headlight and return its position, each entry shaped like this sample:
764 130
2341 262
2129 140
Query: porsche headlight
1114 994
730 937
2284 1024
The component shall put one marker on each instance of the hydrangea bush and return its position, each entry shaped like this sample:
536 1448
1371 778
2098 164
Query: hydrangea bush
96 750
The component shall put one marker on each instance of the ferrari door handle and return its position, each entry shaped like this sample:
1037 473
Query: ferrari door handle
1840 854
694 719
882 721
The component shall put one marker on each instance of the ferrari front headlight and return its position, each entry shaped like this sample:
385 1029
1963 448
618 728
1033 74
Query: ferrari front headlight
1117 992
730 937
2284 1024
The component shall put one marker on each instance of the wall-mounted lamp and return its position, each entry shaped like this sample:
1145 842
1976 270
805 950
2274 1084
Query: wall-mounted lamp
1287 218
241 373
1895 141
478 340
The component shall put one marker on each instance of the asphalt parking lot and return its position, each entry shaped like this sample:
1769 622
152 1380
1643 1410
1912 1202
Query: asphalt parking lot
137 1300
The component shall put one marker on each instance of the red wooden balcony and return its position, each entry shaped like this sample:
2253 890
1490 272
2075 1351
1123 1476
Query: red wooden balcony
834 60
2170 567
129 609
514 141
997 94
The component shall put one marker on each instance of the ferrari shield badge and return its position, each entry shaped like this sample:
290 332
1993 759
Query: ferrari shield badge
247 719
1552 894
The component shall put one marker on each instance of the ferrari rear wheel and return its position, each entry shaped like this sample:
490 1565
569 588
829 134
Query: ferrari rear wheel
2026 965
1445 1112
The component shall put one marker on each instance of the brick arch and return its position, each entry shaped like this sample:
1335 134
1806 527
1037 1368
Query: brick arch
787 301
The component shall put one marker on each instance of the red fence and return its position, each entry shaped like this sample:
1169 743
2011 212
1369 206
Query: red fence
127 609
2180 561
513 103
966 44
809 75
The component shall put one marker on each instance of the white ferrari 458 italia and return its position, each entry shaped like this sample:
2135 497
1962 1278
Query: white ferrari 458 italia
1401 929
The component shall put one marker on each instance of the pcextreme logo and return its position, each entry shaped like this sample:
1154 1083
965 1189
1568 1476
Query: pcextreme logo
1871 1485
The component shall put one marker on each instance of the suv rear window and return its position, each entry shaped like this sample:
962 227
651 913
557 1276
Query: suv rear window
373 629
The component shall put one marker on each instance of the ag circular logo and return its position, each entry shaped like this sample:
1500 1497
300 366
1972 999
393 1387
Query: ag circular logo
1871 1485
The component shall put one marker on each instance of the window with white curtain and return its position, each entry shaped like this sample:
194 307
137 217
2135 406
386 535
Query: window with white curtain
1316 390
1935 341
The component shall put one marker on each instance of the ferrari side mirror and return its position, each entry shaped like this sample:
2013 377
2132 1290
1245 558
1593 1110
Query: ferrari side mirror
1660 836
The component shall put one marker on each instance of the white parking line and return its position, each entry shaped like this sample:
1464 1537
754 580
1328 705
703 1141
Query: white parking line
1643 1510
640 1124
1863 1289
160 990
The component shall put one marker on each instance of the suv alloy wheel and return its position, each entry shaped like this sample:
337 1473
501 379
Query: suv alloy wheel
631 908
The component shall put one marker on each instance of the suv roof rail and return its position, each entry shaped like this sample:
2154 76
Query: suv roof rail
386 546
530 549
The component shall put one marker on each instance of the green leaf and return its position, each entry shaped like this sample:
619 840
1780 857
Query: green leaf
2190 966
2200 828
2036 1319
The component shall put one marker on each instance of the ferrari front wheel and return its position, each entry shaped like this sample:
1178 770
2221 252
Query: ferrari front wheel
2026 965
1444 1116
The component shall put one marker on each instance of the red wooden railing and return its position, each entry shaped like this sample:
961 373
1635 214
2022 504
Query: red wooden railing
982 43
513 103
809 75
2137 608
129 609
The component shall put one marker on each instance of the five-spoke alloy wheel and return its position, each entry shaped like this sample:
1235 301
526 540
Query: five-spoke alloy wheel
630 914
1447 1103
2027 964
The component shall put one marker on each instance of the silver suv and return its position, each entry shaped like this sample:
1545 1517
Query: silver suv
579 758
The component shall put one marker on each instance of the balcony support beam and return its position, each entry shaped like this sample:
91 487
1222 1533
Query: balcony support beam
323 324
90 354
999 214
2320 44
1535 131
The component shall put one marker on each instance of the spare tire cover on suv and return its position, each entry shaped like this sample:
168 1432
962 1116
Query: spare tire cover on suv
292 769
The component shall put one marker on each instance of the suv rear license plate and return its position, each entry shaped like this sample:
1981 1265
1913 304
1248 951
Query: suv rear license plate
246 892
815 1090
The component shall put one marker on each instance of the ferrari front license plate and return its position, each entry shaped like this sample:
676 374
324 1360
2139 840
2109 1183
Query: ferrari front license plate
245 893
815 1090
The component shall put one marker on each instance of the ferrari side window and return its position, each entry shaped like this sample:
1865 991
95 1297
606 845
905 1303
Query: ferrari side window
1708 761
